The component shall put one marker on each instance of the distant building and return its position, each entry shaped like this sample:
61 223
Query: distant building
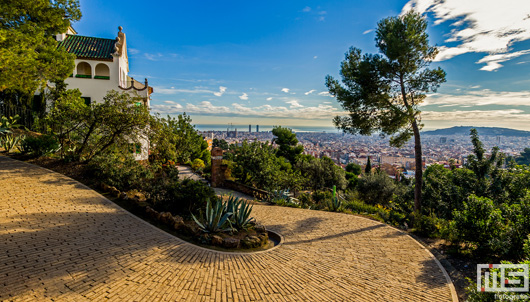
232 134
443 140
249 128
257 128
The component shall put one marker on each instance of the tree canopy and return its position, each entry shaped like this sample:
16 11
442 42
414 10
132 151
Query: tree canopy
382 92
287 142
29 56
524 159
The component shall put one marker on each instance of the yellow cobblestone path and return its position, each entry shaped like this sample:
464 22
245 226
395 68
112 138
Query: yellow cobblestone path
61 241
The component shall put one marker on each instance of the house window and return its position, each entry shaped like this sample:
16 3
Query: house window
84 70
102 72
87 100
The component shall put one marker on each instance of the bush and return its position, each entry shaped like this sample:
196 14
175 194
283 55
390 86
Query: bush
181 198
376 188
121 171
40 145
306 201
426 225
481 224
321 199
197 164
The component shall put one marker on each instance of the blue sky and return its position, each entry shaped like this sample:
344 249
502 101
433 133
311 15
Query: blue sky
249 62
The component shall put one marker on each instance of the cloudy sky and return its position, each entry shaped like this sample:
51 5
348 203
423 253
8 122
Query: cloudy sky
248 62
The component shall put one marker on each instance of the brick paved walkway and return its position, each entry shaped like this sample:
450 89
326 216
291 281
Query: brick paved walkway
61 241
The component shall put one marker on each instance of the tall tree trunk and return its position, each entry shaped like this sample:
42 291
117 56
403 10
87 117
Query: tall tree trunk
419 167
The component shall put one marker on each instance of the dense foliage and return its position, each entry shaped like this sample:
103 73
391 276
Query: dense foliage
383 92
176 139
86 131
29 56
257 165
287 143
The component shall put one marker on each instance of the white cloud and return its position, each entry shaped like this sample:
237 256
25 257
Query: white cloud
315 57
294 104
310 92
244 97
493 61
481 98
222 90
321 112
368 31
475 87
487 26
306 9
133 51
206 107
173 107
269 99
172 90
153 56
286 90
325 93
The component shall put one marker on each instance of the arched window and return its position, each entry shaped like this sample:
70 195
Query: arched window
84 70
102 72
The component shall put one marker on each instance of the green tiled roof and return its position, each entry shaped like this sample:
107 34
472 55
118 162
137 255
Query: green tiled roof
88 47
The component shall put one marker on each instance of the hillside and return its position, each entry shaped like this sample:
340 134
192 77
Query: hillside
483 131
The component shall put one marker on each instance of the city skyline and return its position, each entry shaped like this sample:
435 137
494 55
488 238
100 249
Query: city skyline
266 63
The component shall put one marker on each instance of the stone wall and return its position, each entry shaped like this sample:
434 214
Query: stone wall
257 193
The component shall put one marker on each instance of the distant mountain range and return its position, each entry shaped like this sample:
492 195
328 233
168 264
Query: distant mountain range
483 131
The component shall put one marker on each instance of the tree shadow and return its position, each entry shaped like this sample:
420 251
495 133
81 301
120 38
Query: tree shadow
337 235
431 275
78 249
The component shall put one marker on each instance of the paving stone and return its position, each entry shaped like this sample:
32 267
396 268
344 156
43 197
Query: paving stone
61 241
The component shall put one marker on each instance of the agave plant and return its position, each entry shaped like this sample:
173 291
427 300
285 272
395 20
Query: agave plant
283 198
215 219
8 123
9 141
231 203
240 218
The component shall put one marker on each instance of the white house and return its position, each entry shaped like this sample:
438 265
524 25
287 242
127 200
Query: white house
102 65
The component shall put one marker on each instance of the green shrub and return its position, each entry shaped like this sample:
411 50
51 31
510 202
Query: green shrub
426 225
321 199
121 171
480 223
376 188
40 145
197 164
181 198
526 248
306 201
283 198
